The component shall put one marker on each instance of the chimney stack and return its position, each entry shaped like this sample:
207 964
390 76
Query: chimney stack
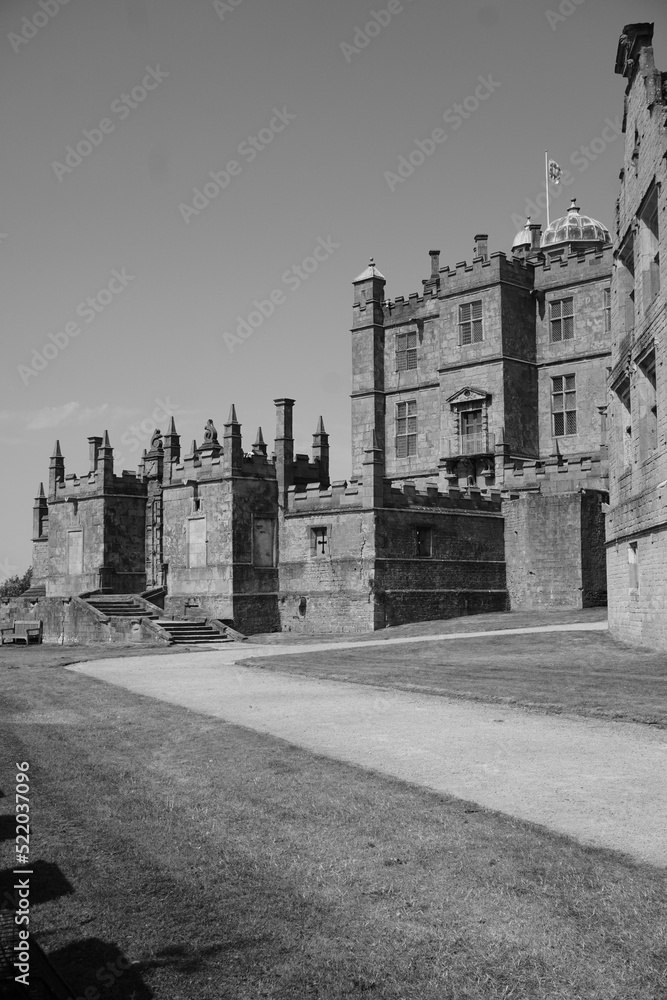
94 443
284 447
482 246
535 236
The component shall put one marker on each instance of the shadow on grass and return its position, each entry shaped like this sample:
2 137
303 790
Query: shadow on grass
93 964
98 969
47 883
7 827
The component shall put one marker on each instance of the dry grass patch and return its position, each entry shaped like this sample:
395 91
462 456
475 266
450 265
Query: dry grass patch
227 864
585 673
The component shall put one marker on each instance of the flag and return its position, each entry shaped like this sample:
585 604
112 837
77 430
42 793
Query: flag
555 172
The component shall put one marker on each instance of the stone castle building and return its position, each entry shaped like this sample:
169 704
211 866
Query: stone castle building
480 469
637 518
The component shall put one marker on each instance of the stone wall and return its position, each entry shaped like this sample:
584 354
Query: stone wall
638 603
69 620
550 549
463 574
330 591
636 521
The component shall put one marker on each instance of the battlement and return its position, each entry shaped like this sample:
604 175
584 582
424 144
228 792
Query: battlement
401 310
312 498
591 470
549 268
205 465
343 495
433 497
483 270
74 487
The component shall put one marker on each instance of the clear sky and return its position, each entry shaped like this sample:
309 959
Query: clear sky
303 120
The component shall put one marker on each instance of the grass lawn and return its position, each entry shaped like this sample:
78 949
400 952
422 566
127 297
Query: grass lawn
585 673
223 863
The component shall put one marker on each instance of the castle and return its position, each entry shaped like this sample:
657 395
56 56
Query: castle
484 453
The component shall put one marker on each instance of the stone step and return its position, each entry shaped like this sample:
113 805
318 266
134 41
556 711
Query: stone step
122 608
188 632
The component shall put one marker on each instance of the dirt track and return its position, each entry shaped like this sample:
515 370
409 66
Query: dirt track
600 782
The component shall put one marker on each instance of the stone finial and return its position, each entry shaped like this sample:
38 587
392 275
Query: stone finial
56 451
231 419
171 429
259 447
106 443
156 440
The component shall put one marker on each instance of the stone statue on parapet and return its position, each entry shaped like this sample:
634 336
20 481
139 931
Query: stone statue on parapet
210 434
156 440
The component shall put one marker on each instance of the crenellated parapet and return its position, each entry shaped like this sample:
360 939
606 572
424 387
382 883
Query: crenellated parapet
497 267
342 495
589 264
432 497
553 474
313 499
99 480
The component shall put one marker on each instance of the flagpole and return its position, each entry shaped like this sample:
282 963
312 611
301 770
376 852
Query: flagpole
546 180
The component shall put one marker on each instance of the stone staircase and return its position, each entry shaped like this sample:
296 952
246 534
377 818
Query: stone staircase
184 632
194 632
125 606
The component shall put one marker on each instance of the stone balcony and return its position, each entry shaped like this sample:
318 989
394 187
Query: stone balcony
471 445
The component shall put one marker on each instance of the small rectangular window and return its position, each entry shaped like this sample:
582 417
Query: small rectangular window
424 542
607 310
319 542
633 566
406 429
625 414
561 315
406 351
564 405
471 329
650 247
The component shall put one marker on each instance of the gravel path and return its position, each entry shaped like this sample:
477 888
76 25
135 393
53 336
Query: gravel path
600 782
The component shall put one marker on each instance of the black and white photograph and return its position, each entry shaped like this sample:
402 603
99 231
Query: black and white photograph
333 500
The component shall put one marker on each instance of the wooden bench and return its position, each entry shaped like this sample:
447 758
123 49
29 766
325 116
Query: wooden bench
22 632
